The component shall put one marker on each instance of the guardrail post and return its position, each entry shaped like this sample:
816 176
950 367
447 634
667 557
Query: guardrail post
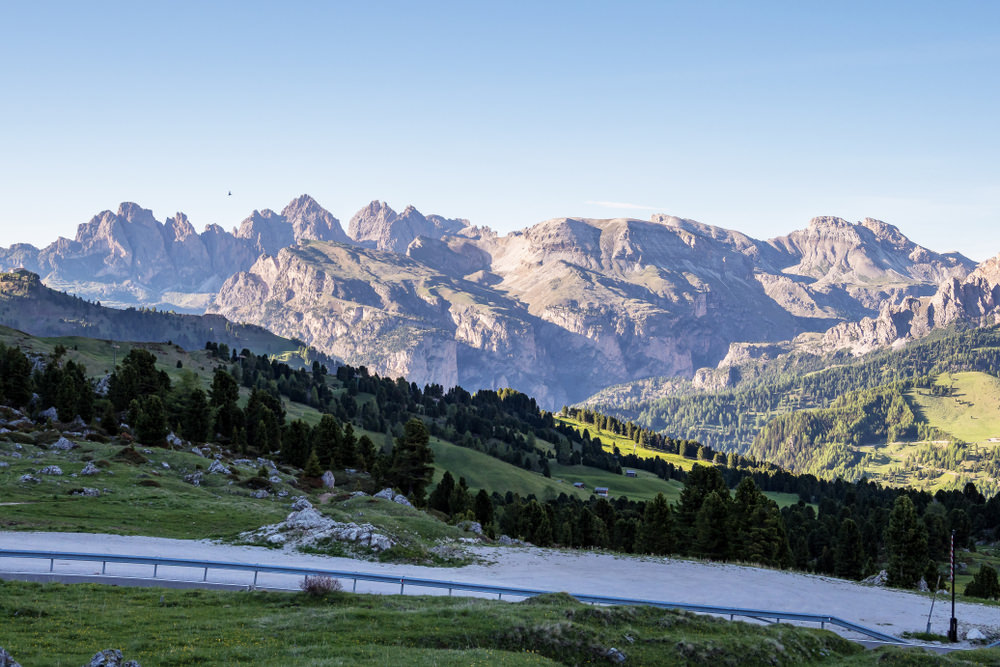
400 586
255 577
104 567
205 578
52 564
449 592
355 589
156 567
499 596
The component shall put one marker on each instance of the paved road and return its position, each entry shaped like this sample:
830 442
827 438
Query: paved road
595 573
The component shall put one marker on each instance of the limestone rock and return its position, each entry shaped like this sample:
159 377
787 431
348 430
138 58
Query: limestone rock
328 480
260 494
386 494
975 634
90 469
51 470
400 499
86 491
62 444
49 413
197 451
6 659
307 527
111 657
879 579
217 468
614 655
301 503
193 478
471 527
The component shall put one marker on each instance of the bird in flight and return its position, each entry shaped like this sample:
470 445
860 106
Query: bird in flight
230 194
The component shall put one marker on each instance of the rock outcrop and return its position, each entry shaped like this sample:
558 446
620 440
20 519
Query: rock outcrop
129 258
378 226
569 306
974 301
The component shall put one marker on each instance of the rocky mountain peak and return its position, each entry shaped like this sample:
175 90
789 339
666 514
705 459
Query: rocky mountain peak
179 228
135 214
309 220
378 226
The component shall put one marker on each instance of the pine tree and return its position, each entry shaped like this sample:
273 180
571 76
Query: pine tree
411 469
906 541
149 419
849 558
483 508
984 584
656 532
711 529
326 440
196 418
312 467
440 496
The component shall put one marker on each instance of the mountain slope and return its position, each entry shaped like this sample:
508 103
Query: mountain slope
569 306
29 306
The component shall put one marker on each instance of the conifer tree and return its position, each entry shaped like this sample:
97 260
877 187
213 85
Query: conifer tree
711 529
656 531
411 470
849 560
984 584
483 508
441 495
906 541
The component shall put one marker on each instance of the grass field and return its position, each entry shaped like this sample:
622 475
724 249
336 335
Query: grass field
971 413
64 625
610 440
168 507
482 471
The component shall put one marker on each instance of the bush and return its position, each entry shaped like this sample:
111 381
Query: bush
320 585
984 584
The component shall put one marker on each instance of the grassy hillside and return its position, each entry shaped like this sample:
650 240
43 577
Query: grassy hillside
970 412
611 440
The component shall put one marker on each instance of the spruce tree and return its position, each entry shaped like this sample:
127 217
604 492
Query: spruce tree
441 495
984 584
149 419
849 558
483 508
711 529
411 469
656 531
906 541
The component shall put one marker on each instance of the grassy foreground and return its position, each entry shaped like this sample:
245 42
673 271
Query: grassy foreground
56 624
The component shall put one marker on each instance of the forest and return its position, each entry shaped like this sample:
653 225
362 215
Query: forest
383 426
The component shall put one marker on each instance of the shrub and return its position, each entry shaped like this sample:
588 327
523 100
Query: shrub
320 585
984 584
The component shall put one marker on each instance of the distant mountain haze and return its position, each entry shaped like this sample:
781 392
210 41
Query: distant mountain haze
558 310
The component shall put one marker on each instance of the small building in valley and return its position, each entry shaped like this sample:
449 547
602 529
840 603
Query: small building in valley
601 491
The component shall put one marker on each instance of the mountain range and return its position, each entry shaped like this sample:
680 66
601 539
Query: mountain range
559 310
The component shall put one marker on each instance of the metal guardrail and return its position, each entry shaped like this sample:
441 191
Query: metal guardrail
158 561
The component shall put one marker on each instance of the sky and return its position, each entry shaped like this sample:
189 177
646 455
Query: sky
754 116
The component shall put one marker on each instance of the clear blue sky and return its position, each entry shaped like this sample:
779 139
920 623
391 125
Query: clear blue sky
750 115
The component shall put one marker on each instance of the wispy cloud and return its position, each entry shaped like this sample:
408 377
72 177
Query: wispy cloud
622 204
